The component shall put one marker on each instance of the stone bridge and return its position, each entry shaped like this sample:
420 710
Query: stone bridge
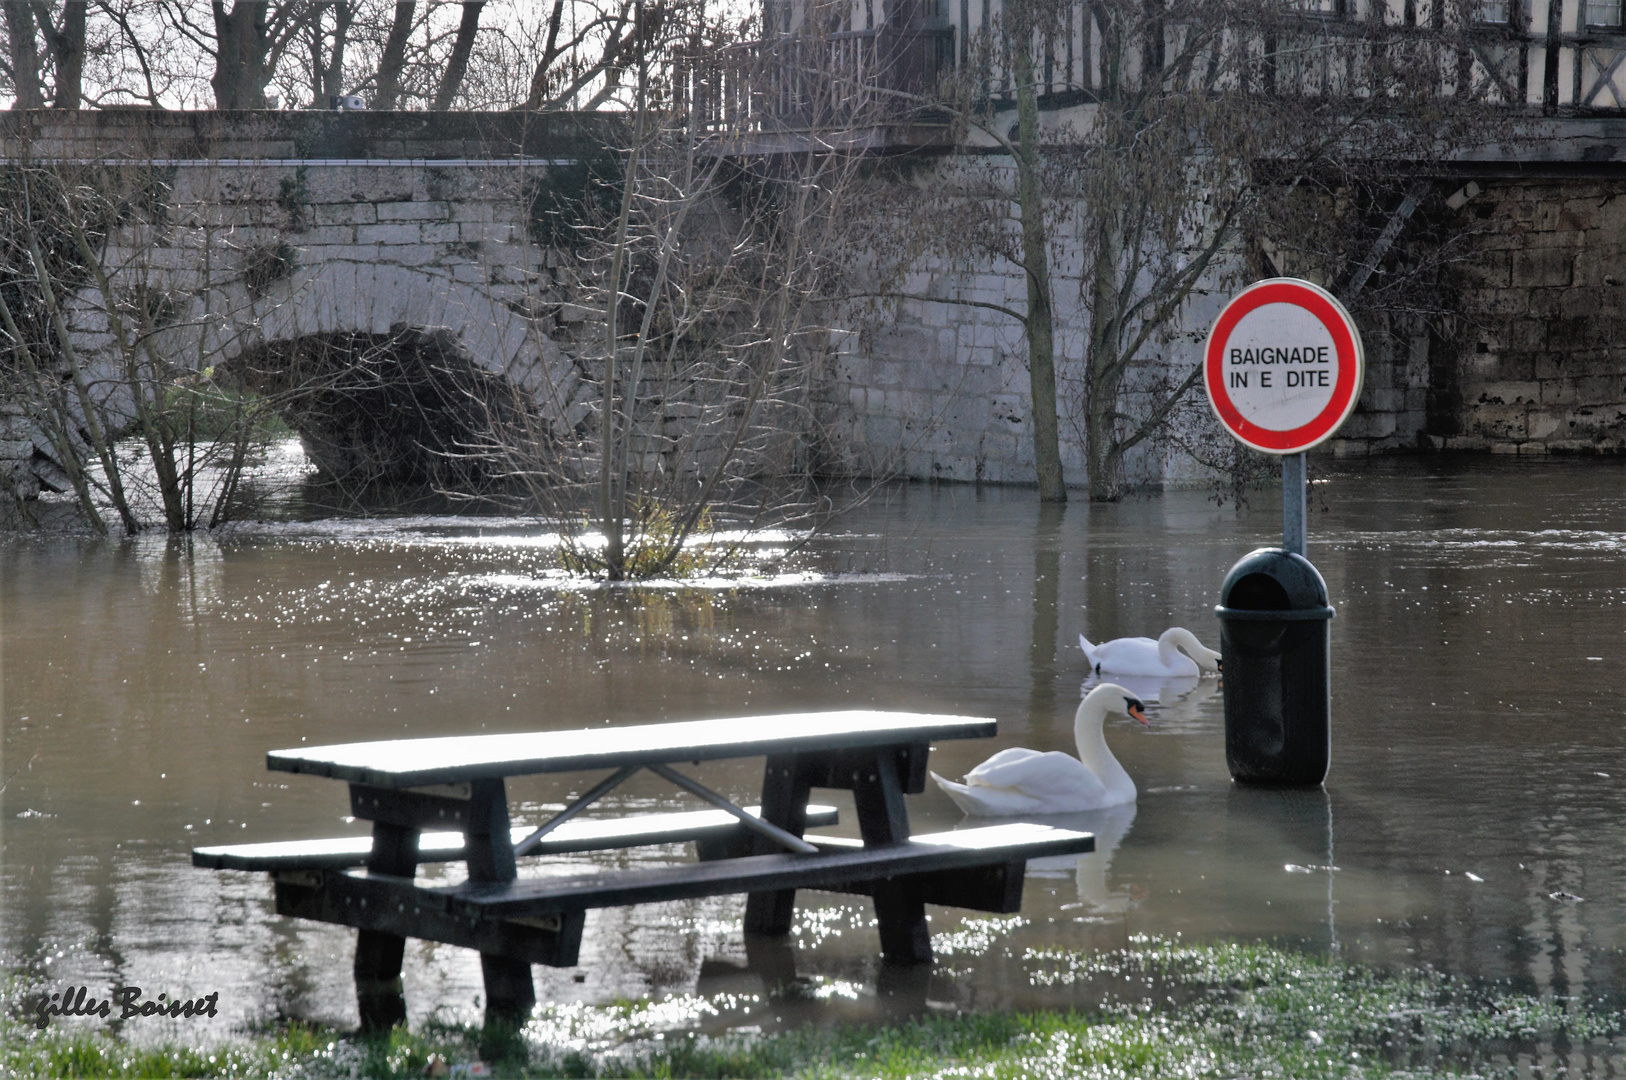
386 258
354 240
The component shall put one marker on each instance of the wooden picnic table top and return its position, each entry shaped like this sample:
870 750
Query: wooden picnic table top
402 763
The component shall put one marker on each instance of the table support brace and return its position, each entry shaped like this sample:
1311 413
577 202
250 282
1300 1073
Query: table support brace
773 832
786 782
900 913
597 792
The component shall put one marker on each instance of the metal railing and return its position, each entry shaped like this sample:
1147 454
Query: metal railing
800 82
1553 58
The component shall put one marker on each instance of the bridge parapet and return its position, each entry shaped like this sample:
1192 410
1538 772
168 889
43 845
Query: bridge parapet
263 136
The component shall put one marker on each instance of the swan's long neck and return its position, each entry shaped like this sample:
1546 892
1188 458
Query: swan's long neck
1176 638
1093 750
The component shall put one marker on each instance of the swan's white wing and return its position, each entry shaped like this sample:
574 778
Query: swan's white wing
1139 656
990 802
1129 656
1001 760
1052 777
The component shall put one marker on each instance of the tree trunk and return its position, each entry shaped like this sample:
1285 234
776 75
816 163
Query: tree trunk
393 62
333 71
68 56
1105 375
611 522
452 80
24 55
1036 263
242 46
539 78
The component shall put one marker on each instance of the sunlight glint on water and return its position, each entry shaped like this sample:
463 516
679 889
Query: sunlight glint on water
1478 780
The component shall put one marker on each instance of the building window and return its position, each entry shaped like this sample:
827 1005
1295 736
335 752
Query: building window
1605 13
1496 12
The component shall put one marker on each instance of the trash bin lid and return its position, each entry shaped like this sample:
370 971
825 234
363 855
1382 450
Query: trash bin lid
1276 581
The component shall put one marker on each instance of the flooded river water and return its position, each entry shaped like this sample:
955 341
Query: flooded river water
1472 819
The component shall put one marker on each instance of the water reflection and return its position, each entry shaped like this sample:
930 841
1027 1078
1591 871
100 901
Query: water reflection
1289 832
1477 785
1178 701
1096 896
1151 689
1042 659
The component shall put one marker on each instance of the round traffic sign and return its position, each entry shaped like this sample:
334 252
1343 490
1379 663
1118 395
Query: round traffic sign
1283 366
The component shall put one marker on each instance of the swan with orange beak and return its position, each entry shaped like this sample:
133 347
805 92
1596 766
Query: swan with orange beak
1019 781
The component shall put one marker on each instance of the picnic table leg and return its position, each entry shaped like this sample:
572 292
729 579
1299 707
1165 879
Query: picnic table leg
379 996
773 959
883 818
510 993
785 787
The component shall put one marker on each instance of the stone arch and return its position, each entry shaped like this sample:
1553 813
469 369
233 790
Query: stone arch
390 374
264 261
357 296
411 407
400 375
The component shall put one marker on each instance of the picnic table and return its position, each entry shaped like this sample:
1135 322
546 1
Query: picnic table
445 800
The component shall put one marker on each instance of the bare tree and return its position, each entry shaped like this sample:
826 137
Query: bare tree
113 351
451 80
248 41
1237 114
596 43
697 322
327 43
392 60
1197 117
23 54
398 54
45 57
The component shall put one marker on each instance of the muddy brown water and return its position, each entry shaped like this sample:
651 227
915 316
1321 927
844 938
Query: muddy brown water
1473 812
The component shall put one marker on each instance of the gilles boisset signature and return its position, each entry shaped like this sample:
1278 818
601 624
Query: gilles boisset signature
75 1001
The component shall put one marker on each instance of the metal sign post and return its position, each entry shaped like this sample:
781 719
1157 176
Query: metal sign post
1294 526
1283 370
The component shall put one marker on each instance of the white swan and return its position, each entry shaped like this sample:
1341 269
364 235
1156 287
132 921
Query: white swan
1022 781
1161 658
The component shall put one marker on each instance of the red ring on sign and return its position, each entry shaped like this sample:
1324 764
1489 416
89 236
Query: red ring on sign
1304 295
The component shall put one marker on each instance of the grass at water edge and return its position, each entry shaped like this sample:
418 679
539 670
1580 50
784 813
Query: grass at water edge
1223 1010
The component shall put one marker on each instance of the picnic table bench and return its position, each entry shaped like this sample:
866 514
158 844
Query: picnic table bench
444 800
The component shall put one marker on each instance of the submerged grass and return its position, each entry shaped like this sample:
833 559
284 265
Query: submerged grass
1226 1010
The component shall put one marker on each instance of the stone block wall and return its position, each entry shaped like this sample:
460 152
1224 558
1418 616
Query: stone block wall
1537 363
1533 361
1392 413
418 218
939 389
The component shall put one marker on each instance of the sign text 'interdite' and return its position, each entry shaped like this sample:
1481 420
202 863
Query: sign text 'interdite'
1283 366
